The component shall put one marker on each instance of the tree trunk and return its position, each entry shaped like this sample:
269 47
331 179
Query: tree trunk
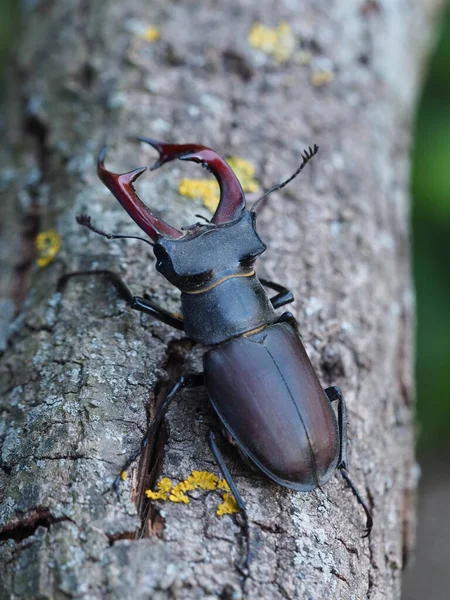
82 374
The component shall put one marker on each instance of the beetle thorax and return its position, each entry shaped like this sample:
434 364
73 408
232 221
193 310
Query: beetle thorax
207 254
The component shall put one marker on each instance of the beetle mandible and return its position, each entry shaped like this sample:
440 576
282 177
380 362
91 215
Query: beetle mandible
282 420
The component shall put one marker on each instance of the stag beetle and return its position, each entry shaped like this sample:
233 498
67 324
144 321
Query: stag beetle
275 410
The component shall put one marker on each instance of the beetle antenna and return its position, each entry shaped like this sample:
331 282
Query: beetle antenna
85 221
202 217
306 156
369 518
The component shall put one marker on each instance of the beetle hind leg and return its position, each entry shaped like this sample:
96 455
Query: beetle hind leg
351 485
243 568
334 393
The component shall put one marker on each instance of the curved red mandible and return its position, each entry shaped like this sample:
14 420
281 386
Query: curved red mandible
232 198
121 185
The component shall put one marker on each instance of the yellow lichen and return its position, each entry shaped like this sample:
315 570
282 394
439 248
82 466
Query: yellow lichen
322 77
151 33
165 485
223 485
228 506
207 190
48 244
245 172
178 493
124 476
303 57
162 490
278 42
203 480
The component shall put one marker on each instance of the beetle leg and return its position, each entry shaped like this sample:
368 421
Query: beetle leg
194 380
135 302
239 501
288 317
284 295
369 518
334 393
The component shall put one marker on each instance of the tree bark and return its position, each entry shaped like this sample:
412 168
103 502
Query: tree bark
82 374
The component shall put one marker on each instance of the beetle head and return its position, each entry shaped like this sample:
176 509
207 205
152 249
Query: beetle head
196 256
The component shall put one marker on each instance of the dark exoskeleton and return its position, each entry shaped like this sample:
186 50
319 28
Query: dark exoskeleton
259 378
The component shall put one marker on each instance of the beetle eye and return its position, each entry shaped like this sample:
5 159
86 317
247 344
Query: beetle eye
247 261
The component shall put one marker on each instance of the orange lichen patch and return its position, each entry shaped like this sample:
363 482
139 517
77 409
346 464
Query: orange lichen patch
162 490
278 42
150 34
207 190
322 77
228 506
48 244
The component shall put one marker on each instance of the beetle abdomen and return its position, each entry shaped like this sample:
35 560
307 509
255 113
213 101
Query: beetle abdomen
268 396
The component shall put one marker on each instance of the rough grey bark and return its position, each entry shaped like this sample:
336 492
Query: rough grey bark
82 373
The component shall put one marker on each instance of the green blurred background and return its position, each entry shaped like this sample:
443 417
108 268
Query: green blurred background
431 223
430 184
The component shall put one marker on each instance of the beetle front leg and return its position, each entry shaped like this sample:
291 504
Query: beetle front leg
334 393
134 302
185 381
284 295
239 501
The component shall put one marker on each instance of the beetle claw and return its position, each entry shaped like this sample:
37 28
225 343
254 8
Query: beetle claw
369 525
114 487
244 567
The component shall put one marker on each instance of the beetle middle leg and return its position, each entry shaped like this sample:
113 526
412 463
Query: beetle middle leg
185 381
239 501
134 302
334 393
284 295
